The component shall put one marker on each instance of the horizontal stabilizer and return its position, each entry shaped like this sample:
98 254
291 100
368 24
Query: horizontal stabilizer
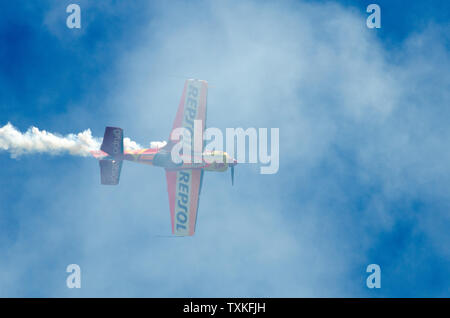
110 171
113 141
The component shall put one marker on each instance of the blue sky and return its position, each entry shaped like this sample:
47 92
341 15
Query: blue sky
364 162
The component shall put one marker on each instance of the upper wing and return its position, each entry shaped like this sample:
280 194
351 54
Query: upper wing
183 187
192 107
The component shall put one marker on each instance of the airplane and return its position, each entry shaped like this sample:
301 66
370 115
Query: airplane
184 180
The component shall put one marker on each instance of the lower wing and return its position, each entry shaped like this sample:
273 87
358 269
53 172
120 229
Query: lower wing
183 187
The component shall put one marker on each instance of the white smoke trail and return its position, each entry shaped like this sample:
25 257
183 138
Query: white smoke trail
157 144
41 141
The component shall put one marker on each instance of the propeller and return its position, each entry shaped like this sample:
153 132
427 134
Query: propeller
232 175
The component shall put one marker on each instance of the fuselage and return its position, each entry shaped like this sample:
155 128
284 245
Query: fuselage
160 157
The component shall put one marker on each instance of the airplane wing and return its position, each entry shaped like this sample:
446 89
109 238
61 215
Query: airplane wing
184 186
192 107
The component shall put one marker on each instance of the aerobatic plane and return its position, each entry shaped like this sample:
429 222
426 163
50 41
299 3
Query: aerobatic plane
184 179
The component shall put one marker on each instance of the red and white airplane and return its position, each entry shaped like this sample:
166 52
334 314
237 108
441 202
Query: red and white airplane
184 180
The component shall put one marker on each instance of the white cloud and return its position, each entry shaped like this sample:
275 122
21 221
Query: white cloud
347 109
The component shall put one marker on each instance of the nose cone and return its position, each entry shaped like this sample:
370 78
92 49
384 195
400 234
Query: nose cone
231 162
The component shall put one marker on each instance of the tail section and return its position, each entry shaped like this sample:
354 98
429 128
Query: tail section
111 165
113 142
110 171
